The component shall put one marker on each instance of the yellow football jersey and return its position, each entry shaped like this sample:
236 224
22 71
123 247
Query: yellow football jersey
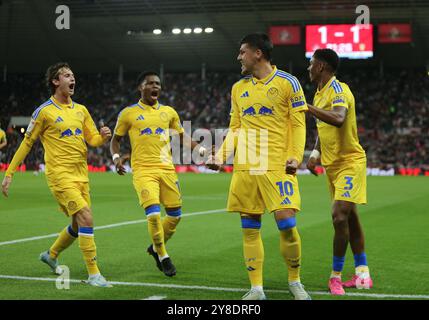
265 115
2 136
63 130
338 144
149 129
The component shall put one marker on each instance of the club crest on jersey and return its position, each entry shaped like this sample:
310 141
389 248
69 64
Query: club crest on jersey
258 110
80 114
163 116
272 93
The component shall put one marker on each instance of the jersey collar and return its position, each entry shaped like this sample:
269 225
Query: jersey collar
59 105
327 85
267 79
146 106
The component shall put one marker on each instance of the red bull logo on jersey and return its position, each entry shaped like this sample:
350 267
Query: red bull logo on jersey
159 131
265 110
146 132
249 112
258 109
66 133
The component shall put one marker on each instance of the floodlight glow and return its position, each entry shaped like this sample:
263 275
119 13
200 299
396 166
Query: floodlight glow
208 30
176 31
198 30
157 31
187 30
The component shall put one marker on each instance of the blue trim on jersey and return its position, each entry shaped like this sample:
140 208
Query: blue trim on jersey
285 224
58 107
37 111
174 213
291 79
338 101
247 223
338 263
298 104
360 259
86 230
152 209
72 232
274 75
337 87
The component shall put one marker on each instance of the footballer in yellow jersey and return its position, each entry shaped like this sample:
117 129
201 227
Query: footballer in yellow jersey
3 142
267 111
345 164
65 127
149 126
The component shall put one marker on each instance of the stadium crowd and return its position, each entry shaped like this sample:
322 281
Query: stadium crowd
392 109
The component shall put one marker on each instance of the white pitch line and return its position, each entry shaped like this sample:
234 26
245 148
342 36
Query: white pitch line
155 298
196 287
114 225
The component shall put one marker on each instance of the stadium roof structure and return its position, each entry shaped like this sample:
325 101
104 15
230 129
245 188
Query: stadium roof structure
104 34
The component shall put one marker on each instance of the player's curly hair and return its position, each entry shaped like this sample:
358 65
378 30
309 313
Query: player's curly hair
142 76
329 56
52 73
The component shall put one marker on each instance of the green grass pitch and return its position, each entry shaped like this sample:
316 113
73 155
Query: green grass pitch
207 248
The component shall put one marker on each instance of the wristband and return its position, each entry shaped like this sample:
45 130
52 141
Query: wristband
115 156
315 154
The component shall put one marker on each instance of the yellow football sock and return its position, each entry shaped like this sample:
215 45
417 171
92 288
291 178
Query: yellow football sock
290 248
156 233
64 240
253 250
169 225
89 250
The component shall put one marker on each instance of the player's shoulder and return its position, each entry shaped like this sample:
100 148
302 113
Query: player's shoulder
127 109
339 87
287 79
167 108
244 80
42 109
79 106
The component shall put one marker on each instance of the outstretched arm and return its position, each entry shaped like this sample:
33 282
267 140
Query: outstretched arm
335 117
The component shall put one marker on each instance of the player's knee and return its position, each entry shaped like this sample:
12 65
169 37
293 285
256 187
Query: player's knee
284 214
339 219
84 217
174 212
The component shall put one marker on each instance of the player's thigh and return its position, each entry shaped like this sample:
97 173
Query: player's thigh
70 197
279 191
170 193
147 189
349 182
244 195
330 178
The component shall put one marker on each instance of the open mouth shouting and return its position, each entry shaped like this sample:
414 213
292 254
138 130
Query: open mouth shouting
154 94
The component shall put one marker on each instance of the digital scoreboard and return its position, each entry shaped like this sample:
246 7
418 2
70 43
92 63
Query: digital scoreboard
353 41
